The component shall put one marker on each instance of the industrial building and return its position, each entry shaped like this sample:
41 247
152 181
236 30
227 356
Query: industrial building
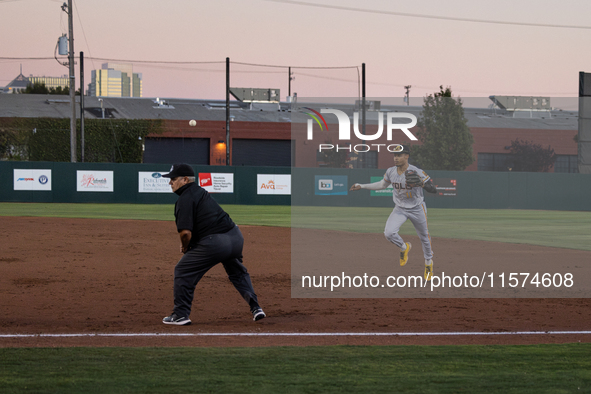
266 134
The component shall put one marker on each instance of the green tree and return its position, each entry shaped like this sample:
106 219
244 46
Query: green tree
443 130
530 157
48 139
59 90
41 88
36 88
11 146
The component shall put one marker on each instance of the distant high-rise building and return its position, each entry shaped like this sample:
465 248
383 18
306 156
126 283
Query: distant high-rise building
115 80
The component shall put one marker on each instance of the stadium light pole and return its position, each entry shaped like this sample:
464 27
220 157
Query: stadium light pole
227 111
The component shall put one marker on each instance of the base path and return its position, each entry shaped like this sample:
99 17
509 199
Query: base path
90 276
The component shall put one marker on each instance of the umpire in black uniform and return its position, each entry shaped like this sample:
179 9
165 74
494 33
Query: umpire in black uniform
208 237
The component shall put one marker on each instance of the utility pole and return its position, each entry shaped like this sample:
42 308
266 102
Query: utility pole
67 8
82 106
407 87
227 111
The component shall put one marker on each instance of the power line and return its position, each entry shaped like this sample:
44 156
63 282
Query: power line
307 67
155 61
26 58
411 15
191 62
84 34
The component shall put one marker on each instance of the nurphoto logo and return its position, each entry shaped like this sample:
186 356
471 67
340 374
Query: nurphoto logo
345 129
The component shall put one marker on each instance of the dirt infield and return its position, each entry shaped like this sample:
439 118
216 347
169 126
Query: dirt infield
72 276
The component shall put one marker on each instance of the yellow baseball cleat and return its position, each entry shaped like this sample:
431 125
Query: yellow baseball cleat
429 270
404 254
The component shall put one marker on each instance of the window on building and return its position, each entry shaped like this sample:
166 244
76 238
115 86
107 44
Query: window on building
494 162
346 159
365 160
566 163
258 152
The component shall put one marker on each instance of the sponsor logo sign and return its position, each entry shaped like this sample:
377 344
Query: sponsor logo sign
152 182
331 185
217 182
446 187
94 181
37 180
274 184
385 192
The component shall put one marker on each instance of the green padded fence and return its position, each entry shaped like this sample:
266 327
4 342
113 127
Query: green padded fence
458 189
64 184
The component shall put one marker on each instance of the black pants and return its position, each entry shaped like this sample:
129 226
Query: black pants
213 249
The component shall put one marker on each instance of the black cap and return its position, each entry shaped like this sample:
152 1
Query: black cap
179 169
402 149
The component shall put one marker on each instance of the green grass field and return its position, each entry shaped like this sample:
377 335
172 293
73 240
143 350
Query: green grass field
359 369
330 369
563 229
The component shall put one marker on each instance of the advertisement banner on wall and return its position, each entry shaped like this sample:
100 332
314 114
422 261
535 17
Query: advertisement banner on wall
152 182
446 187
274 184
37 180
217 182
94 181
330 185
384 192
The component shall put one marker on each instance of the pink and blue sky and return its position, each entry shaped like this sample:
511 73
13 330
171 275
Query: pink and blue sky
476 59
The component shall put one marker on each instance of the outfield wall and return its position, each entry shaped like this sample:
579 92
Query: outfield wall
143 184
120 183
456 189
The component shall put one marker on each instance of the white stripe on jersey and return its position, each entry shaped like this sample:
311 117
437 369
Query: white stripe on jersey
405 197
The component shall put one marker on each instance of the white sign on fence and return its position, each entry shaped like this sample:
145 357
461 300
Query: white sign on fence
216 182
94 181
38 180
274 184
152 182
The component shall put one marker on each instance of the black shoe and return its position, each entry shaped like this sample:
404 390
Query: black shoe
258 314
176 320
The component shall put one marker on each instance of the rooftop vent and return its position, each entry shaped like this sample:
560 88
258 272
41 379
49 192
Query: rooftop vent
253 95
161 104
522 103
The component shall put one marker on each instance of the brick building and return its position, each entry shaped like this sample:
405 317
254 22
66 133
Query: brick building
263 135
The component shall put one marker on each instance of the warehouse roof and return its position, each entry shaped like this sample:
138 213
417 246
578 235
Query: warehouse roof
57 106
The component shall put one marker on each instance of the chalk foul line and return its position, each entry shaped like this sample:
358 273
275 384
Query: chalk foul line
291 334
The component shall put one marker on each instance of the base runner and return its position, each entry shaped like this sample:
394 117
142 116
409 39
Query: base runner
408 182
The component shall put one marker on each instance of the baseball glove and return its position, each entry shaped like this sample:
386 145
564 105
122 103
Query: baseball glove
413 179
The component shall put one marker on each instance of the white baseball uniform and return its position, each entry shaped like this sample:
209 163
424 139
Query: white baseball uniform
410 205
